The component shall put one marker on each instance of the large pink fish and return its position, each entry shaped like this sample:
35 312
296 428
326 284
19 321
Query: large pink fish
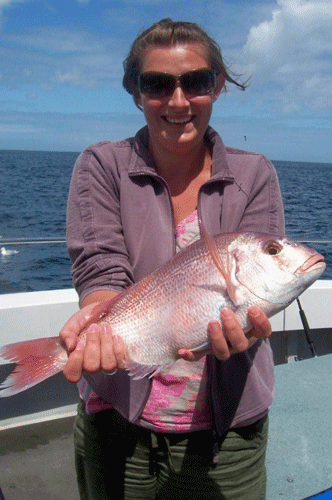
170 308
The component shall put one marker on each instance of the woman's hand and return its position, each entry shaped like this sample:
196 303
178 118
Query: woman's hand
227 337
96 351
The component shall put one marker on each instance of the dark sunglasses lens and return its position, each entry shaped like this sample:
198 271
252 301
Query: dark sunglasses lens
198 82
156 85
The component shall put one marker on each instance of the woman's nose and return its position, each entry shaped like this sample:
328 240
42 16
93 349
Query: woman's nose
178 98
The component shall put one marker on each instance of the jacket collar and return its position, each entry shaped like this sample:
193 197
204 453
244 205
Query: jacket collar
142 162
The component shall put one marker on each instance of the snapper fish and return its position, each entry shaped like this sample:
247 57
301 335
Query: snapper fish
171 307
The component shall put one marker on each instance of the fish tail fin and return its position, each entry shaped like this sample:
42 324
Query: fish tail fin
36 360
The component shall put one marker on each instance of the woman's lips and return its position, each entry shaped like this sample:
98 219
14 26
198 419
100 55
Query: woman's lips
178 120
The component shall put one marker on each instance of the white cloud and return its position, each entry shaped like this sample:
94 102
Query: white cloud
293 50
55 40
61 55
72 76
8 3
5 3
63 131
19 129
143 2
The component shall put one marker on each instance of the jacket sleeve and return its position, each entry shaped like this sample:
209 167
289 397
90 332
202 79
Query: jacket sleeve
254 202
94 232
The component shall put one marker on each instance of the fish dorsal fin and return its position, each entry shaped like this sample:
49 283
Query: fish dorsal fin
224 271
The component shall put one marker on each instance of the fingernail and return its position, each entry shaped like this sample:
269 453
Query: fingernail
93 328
69 345
226 313
254 312
80 345
214 326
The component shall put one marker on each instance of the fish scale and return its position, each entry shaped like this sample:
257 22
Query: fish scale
170 295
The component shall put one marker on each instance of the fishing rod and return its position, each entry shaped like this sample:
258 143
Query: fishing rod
306 329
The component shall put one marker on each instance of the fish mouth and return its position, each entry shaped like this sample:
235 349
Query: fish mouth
314 263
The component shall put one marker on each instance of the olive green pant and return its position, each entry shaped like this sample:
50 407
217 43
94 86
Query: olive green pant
116 460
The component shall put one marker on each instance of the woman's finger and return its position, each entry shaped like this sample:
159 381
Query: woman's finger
107 356
233 331
91 359
262 326
189 355
73 369
218 341
71 330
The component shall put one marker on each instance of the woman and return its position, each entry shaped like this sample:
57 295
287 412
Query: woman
199 430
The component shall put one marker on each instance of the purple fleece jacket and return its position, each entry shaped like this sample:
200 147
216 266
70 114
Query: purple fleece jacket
120 227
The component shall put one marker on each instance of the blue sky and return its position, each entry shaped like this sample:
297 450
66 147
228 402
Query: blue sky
61 72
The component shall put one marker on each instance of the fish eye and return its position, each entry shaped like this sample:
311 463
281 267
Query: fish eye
272 248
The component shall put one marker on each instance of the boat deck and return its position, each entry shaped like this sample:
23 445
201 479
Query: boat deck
299 459
36 461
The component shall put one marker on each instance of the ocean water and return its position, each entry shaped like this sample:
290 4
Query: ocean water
33 196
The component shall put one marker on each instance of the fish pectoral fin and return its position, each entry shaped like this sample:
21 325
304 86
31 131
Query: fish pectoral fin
138 371
202 347
225 271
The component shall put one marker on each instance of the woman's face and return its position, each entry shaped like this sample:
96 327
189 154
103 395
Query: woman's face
177 123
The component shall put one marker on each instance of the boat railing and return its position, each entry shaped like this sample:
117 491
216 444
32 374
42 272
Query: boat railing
31 241
56 239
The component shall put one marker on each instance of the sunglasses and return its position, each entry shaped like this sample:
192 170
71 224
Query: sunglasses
196 82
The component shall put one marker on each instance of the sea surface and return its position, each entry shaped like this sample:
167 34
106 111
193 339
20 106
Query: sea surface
33 195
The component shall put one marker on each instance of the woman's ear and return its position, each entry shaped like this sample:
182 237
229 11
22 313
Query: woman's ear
219 86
